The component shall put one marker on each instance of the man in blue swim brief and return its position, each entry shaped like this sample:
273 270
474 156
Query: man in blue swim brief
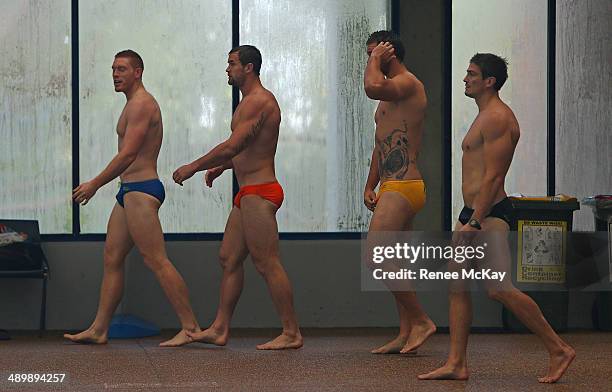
154 188
134 219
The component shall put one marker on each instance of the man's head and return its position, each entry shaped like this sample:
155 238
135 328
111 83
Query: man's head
243 62
127 69
386 36
485 72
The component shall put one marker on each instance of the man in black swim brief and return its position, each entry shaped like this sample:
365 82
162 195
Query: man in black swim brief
488 148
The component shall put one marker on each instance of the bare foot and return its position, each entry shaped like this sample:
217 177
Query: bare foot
88 336
559 363
393 347
282 342
180 339
418 335
210 336
447 372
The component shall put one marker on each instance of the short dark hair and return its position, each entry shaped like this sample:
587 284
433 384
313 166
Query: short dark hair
134 57
388 36
492 65
248 54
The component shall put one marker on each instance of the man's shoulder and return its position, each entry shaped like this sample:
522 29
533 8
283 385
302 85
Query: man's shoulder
409 83
142 104
411 78
498 114
496 121
260 100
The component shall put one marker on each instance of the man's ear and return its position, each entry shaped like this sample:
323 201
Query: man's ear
249 67
138 72
490 81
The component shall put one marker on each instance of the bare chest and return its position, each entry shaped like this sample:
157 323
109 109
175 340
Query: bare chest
472 141
385 111
236 118
122 124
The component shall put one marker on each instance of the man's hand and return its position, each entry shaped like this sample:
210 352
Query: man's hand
369 199
384 51
211 174
183 173
465 235
82 193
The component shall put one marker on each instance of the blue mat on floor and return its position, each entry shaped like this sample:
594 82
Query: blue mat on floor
4 335
128 326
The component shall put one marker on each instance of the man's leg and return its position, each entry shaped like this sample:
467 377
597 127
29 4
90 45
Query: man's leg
232 254
523 307
261 236
460 321
385 222
396 345
145 229
415 325
117 246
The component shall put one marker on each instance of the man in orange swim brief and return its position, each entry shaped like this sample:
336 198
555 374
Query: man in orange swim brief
251 227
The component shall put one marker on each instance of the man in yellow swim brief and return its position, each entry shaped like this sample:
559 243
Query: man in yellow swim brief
399 129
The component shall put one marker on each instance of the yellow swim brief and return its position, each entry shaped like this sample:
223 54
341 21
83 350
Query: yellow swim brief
412 190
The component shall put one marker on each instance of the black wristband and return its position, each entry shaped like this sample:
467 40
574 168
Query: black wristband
475 224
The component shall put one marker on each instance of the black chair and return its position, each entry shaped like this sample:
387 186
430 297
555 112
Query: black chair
25 259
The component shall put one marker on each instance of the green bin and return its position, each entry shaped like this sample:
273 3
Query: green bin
541 225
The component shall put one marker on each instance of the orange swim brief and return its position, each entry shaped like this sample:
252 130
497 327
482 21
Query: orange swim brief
271 191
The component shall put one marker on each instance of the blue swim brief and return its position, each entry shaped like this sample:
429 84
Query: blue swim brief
151 187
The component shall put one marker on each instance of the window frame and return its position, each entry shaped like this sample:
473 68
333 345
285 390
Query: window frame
76 234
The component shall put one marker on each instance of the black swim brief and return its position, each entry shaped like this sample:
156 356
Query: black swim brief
501 210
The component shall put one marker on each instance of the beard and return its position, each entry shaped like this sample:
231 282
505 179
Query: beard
234 82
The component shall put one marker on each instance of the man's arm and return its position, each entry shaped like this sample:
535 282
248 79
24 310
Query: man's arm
138 118
245 132
373 175
377 86
497 155
369 196
254 114
227 165
215 172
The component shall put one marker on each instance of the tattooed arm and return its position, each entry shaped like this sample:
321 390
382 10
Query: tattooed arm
253 117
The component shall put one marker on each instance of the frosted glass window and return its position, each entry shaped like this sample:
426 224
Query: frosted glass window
583 102
313 61
35 114
184 46
516 30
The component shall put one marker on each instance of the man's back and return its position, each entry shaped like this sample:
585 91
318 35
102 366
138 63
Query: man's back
399 131
497 127
255 164
142 114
